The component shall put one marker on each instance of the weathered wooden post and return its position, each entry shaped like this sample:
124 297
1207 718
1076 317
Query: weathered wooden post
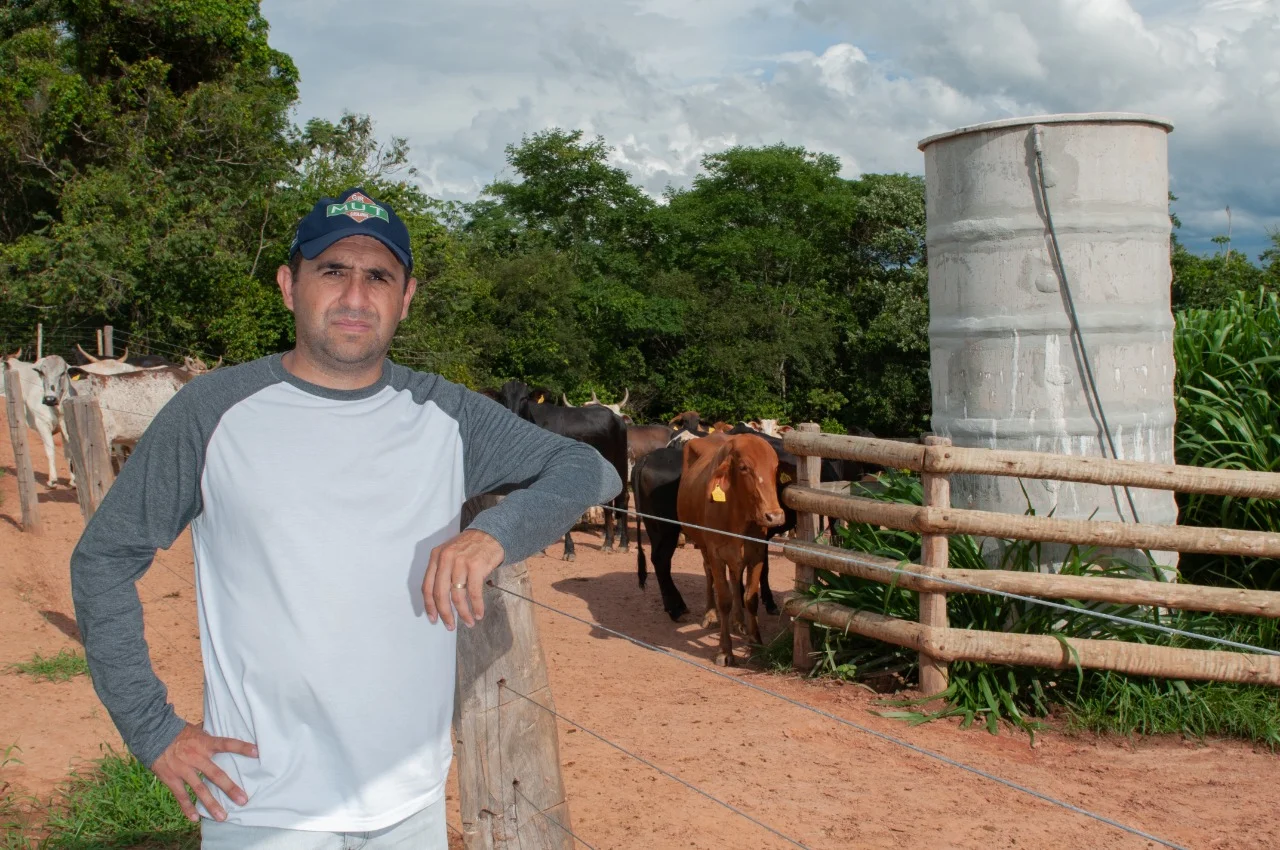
108 340
90 454
98 335
935 554
39 340
808 474
16 410
511 791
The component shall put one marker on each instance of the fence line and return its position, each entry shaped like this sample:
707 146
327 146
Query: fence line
895 574
938 644
883 736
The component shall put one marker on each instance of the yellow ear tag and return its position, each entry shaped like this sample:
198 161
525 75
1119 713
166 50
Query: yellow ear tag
717 495
540 398
784 478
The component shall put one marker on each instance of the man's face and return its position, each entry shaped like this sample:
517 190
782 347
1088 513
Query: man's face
347 302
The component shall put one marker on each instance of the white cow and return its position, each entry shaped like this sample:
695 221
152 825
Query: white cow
44 418
765 426
128 401
106 365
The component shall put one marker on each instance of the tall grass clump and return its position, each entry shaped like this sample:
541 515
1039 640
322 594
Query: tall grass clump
116 804
1023 696
1227 391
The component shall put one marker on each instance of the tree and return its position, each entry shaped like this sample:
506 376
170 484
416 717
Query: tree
142 144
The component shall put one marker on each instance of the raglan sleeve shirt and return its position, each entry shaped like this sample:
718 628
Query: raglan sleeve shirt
245 433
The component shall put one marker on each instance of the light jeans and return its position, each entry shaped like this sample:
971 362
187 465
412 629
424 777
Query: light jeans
424 831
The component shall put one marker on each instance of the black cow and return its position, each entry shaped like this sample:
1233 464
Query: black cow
598 427
655 481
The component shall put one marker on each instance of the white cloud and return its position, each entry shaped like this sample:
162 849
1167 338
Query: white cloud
668 81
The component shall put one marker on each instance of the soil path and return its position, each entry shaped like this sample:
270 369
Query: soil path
822 783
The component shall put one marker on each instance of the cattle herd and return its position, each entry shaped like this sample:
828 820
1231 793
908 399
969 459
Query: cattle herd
130 391
721 485
717 485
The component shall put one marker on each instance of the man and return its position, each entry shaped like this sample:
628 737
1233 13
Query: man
323 488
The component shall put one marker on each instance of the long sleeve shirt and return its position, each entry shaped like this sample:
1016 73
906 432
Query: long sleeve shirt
313 513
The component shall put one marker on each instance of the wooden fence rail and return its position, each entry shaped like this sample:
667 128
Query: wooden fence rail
943 520
939 644
1083 470
1137 659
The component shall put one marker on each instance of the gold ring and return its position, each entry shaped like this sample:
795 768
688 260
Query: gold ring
462 586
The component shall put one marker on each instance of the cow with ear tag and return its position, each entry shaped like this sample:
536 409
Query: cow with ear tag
729 484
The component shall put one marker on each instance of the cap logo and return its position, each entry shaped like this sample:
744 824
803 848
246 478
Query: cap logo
358 207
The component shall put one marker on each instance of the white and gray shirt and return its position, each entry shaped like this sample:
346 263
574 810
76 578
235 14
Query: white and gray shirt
313 512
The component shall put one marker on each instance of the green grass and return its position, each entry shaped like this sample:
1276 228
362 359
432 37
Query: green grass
1024 697
62 667
1228 417
116 804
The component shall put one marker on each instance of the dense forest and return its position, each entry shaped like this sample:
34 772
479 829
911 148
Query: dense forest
151 176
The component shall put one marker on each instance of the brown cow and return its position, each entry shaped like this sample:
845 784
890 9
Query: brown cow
730 484
689 421
642 439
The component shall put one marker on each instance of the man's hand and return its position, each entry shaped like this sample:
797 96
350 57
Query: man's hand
189 760
455 577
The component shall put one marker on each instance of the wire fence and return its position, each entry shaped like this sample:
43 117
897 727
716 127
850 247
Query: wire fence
737 681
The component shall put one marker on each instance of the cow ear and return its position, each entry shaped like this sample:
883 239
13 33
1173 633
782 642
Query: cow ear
720 481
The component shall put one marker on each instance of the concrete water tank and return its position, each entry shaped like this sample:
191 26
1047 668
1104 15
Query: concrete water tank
1006 370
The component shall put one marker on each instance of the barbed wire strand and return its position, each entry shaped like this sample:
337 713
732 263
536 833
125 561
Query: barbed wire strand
515 786
1072 609
648 763
883 736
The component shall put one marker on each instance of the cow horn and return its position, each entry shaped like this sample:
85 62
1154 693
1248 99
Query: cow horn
626 395
216 365
564 400
125 356
86 354
594 400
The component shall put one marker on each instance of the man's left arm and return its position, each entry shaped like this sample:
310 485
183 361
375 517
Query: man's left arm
559 478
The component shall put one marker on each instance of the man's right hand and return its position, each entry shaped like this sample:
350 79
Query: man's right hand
188 762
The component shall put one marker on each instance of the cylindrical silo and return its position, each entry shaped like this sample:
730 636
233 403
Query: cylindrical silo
1006 369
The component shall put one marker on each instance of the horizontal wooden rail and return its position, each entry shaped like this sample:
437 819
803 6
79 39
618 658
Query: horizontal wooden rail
1042 650
1039 465
1217 541
1184 597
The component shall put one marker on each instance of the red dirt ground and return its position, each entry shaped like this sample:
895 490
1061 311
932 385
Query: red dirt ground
822 783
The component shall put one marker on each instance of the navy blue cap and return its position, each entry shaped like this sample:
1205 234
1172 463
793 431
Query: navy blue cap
352 214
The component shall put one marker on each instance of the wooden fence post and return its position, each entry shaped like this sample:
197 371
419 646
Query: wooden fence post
808 474
39 340
90 455
108 340
510 788
16 409
98 334
936 553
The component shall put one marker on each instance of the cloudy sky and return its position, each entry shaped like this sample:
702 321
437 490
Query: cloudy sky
667 81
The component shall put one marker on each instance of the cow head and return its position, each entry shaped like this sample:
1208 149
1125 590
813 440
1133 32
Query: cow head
748 474
54 378
689 420
515 396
